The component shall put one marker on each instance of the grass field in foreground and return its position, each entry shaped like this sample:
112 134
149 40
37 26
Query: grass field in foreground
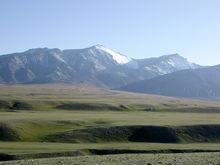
32 113
128 159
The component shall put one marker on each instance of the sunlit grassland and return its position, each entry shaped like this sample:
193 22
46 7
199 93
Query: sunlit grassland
45 97
45 118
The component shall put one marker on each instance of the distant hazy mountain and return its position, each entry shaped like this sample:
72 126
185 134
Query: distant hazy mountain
202 82
95 65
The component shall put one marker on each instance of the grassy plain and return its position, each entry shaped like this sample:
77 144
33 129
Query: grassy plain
46 97
29 113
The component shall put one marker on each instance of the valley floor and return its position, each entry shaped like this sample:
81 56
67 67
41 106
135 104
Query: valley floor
128 159
75 125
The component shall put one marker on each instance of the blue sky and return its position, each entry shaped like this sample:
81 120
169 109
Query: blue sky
136 28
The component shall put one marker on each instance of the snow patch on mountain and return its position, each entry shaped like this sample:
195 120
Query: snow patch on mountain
59 58
170 61
119 58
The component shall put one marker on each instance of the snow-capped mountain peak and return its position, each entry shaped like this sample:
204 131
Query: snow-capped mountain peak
119 58
97 65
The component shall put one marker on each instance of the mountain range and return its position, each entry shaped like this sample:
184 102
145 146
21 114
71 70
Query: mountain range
96 65
171 75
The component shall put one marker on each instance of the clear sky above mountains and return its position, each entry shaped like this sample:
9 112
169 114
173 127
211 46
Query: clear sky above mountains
136 28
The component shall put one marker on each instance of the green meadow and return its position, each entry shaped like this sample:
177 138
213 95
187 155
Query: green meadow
47 121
